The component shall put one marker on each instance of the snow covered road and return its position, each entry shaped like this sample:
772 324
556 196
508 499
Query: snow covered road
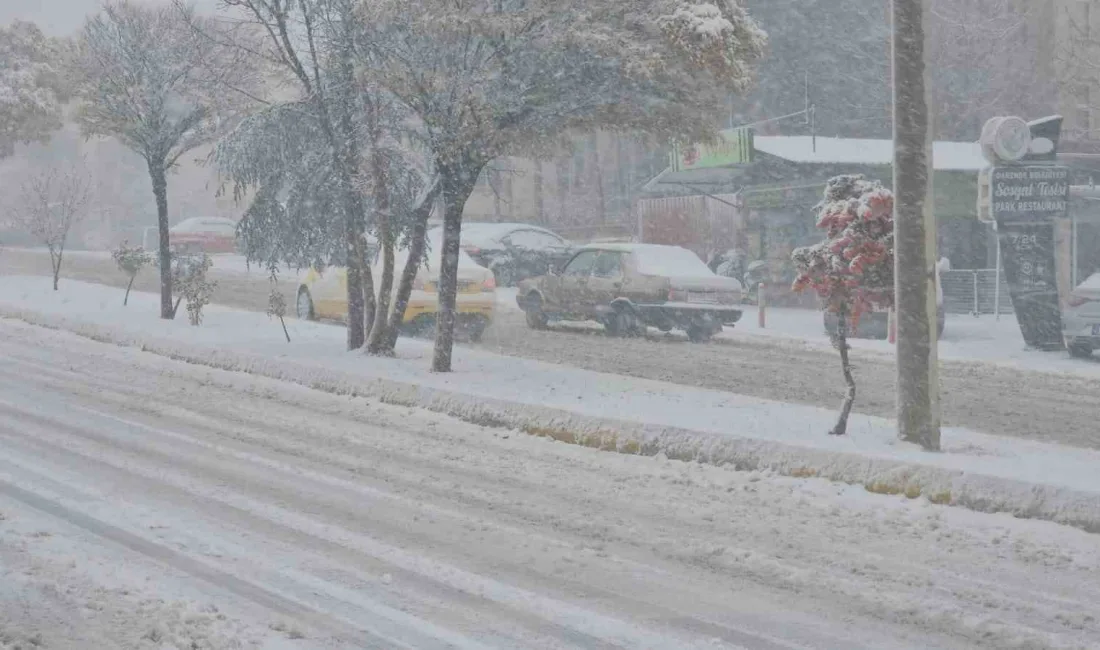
1039 406
147 503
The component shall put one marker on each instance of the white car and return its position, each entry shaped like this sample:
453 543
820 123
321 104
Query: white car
1081 318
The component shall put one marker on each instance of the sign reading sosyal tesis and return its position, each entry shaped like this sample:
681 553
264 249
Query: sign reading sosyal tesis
1031 194
1025 202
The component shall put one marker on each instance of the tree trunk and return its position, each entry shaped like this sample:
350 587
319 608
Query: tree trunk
917 420
417 244
840 340
540 209
598 163
370 305
353 231
379 334
458 183
157 174
56 260
129 285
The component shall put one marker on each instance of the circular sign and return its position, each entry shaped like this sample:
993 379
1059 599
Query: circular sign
1011 138
989 131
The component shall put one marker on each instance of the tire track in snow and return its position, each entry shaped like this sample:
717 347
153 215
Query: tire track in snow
429 444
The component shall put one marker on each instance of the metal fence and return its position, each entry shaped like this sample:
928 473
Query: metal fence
974 292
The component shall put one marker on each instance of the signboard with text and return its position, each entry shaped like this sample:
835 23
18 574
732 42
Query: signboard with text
1025 201
732 147
1031 194
1027 251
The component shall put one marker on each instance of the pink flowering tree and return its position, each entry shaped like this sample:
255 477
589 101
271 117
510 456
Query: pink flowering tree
852 269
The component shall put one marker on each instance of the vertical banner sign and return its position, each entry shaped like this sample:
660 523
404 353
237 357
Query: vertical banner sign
1025 202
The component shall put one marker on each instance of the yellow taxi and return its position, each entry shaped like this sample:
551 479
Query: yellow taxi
324 295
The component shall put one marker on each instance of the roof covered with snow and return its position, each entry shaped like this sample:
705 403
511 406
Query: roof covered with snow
947 156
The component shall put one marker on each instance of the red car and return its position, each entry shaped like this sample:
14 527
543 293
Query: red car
204 235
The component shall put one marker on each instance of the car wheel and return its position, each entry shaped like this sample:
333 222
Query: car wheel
536 318
477 329
699 333
622 322
304 305
505 275
1079 351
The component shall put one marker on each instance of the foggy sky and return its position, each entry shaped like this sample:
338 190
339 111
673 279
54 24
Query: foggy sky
64 17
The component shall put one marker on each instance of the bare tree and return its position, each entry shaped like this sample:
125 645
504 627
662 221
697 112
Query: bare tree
914 227
980 54
50 203
1077 67
154 84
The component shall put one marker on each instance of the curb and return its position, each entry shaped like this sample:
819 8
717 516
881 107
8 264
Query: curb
978 492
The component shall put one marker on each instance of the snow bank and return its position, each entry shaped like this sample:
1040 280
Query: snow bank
607 412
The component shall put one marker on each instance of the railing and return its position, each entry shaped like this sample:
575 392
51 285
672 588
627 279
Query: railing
974 292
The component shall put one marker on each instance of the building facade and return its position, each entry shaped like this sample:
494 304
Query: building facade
584 192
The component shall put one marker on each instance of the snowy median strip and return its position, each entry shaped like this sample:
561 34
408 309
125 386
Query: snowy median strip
608 412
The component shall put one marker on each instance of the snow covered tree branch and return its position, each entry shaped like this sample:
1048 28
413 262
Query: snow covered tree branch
487 78
153 83
32 85
310 42
339 158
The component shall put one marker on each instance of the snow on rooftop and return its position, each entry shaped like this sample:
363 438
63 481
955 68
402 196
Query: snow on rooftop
948 156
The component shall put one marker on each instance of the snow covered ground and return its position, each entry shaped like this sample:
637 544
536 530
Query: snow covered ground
484 375
985 339
1010 399
148 503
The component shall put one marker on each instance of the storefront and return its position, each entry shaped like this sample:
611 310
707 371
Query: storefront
758 194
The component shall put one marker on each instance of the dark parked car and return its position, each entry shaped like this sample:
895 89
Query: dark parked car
513 251
630 286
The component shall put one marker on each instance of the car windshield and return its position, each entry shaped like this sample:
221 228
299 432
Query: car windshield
670 261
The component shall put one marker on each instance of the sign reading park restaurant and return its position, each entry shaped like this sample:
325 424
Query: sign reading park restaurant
1029 194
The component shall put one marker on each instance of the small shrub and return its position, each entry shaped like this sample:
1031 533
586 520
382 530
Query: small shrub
276 306
189 278
130 260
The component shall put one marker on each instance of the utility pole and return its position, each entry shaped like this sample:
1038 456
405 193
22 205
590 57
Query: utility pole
914 234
